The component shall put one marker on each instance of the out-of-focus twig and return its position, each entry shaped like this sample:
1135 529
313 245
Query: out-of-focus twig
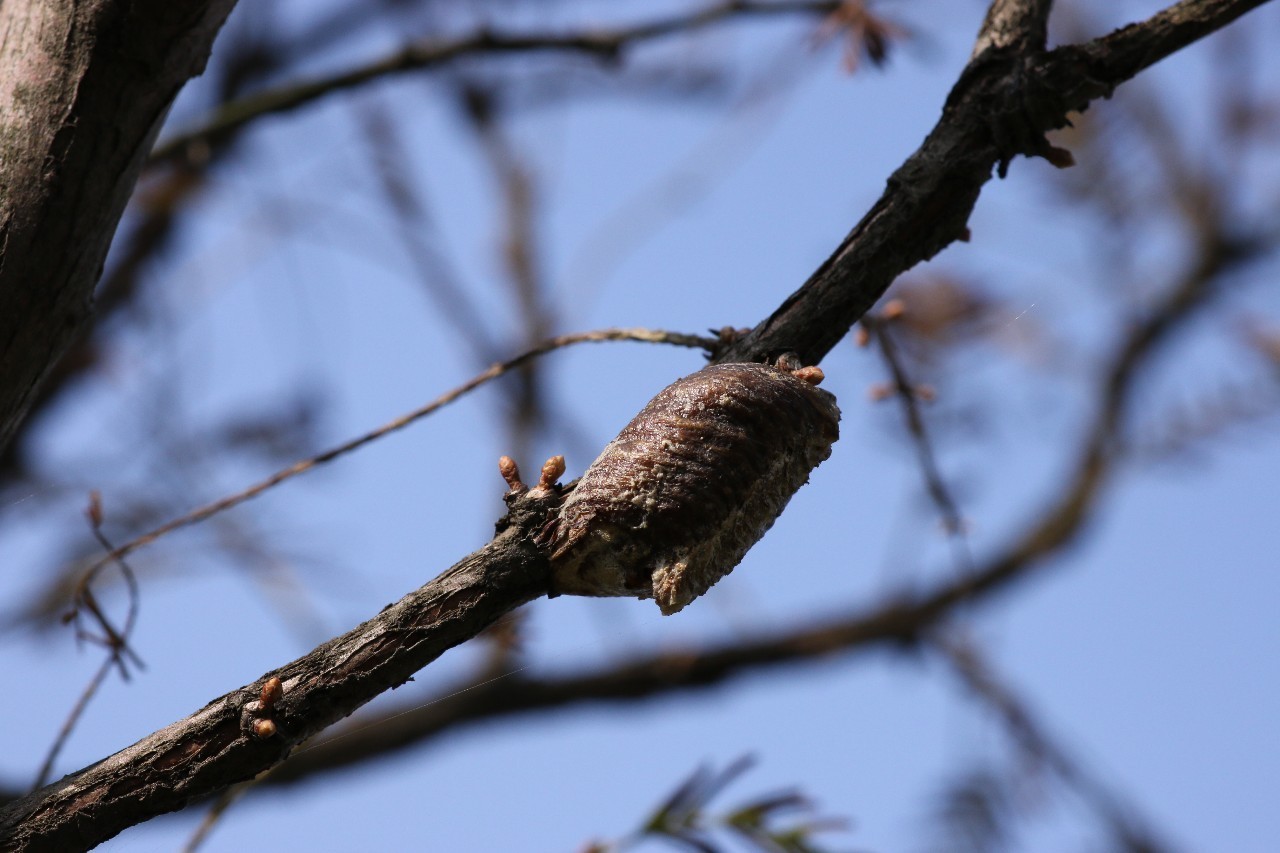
910 396
519 250
685 818
225 800
604 43
302 466
1133 834
1213 415
416 229
116 641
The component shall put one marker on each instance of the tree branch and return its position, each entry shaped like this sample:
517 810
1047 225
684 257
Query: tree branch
302 466
1014 23
242 733
1132 833
1002 105
83 90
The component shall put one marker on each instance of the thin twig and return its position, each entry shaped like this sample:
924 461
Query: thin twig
518 245
977 675
69 724
116 641
909 395
604 44
653 336
225 800
419 234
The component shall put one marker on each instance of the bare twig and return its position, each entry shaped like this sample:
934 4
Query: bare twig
604 44
115 641
1220 411
1134 835
416 230
910 394
493 372
69 724
518 246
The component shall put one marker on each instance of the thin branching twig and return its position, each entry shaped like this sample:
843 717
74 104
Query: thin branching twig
116 641
910 395
601 43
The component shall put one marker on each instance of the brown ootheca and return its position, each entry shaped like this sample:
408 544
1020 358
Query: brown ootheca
676 500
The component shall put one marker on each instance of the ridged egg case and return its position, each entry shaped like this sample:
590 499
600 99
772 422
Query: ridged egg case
676 500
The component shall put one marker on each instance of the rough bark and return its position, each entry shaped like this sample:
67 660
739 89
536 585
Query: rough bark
84 88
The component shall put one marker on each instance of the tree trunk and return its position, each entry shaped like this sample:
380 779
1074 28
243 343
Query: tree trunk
84 88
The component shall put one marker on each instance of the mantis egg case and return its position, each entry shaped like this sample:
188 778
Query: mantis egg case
676 500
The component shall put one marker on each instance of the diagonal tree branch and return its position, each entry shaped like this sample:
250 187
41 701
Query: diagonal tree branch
238 735
1005 101
1132 833
899 619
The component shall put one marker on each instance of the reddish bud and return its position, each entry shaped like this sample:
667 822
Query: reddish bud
511 473
551 471
880 392
272 690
